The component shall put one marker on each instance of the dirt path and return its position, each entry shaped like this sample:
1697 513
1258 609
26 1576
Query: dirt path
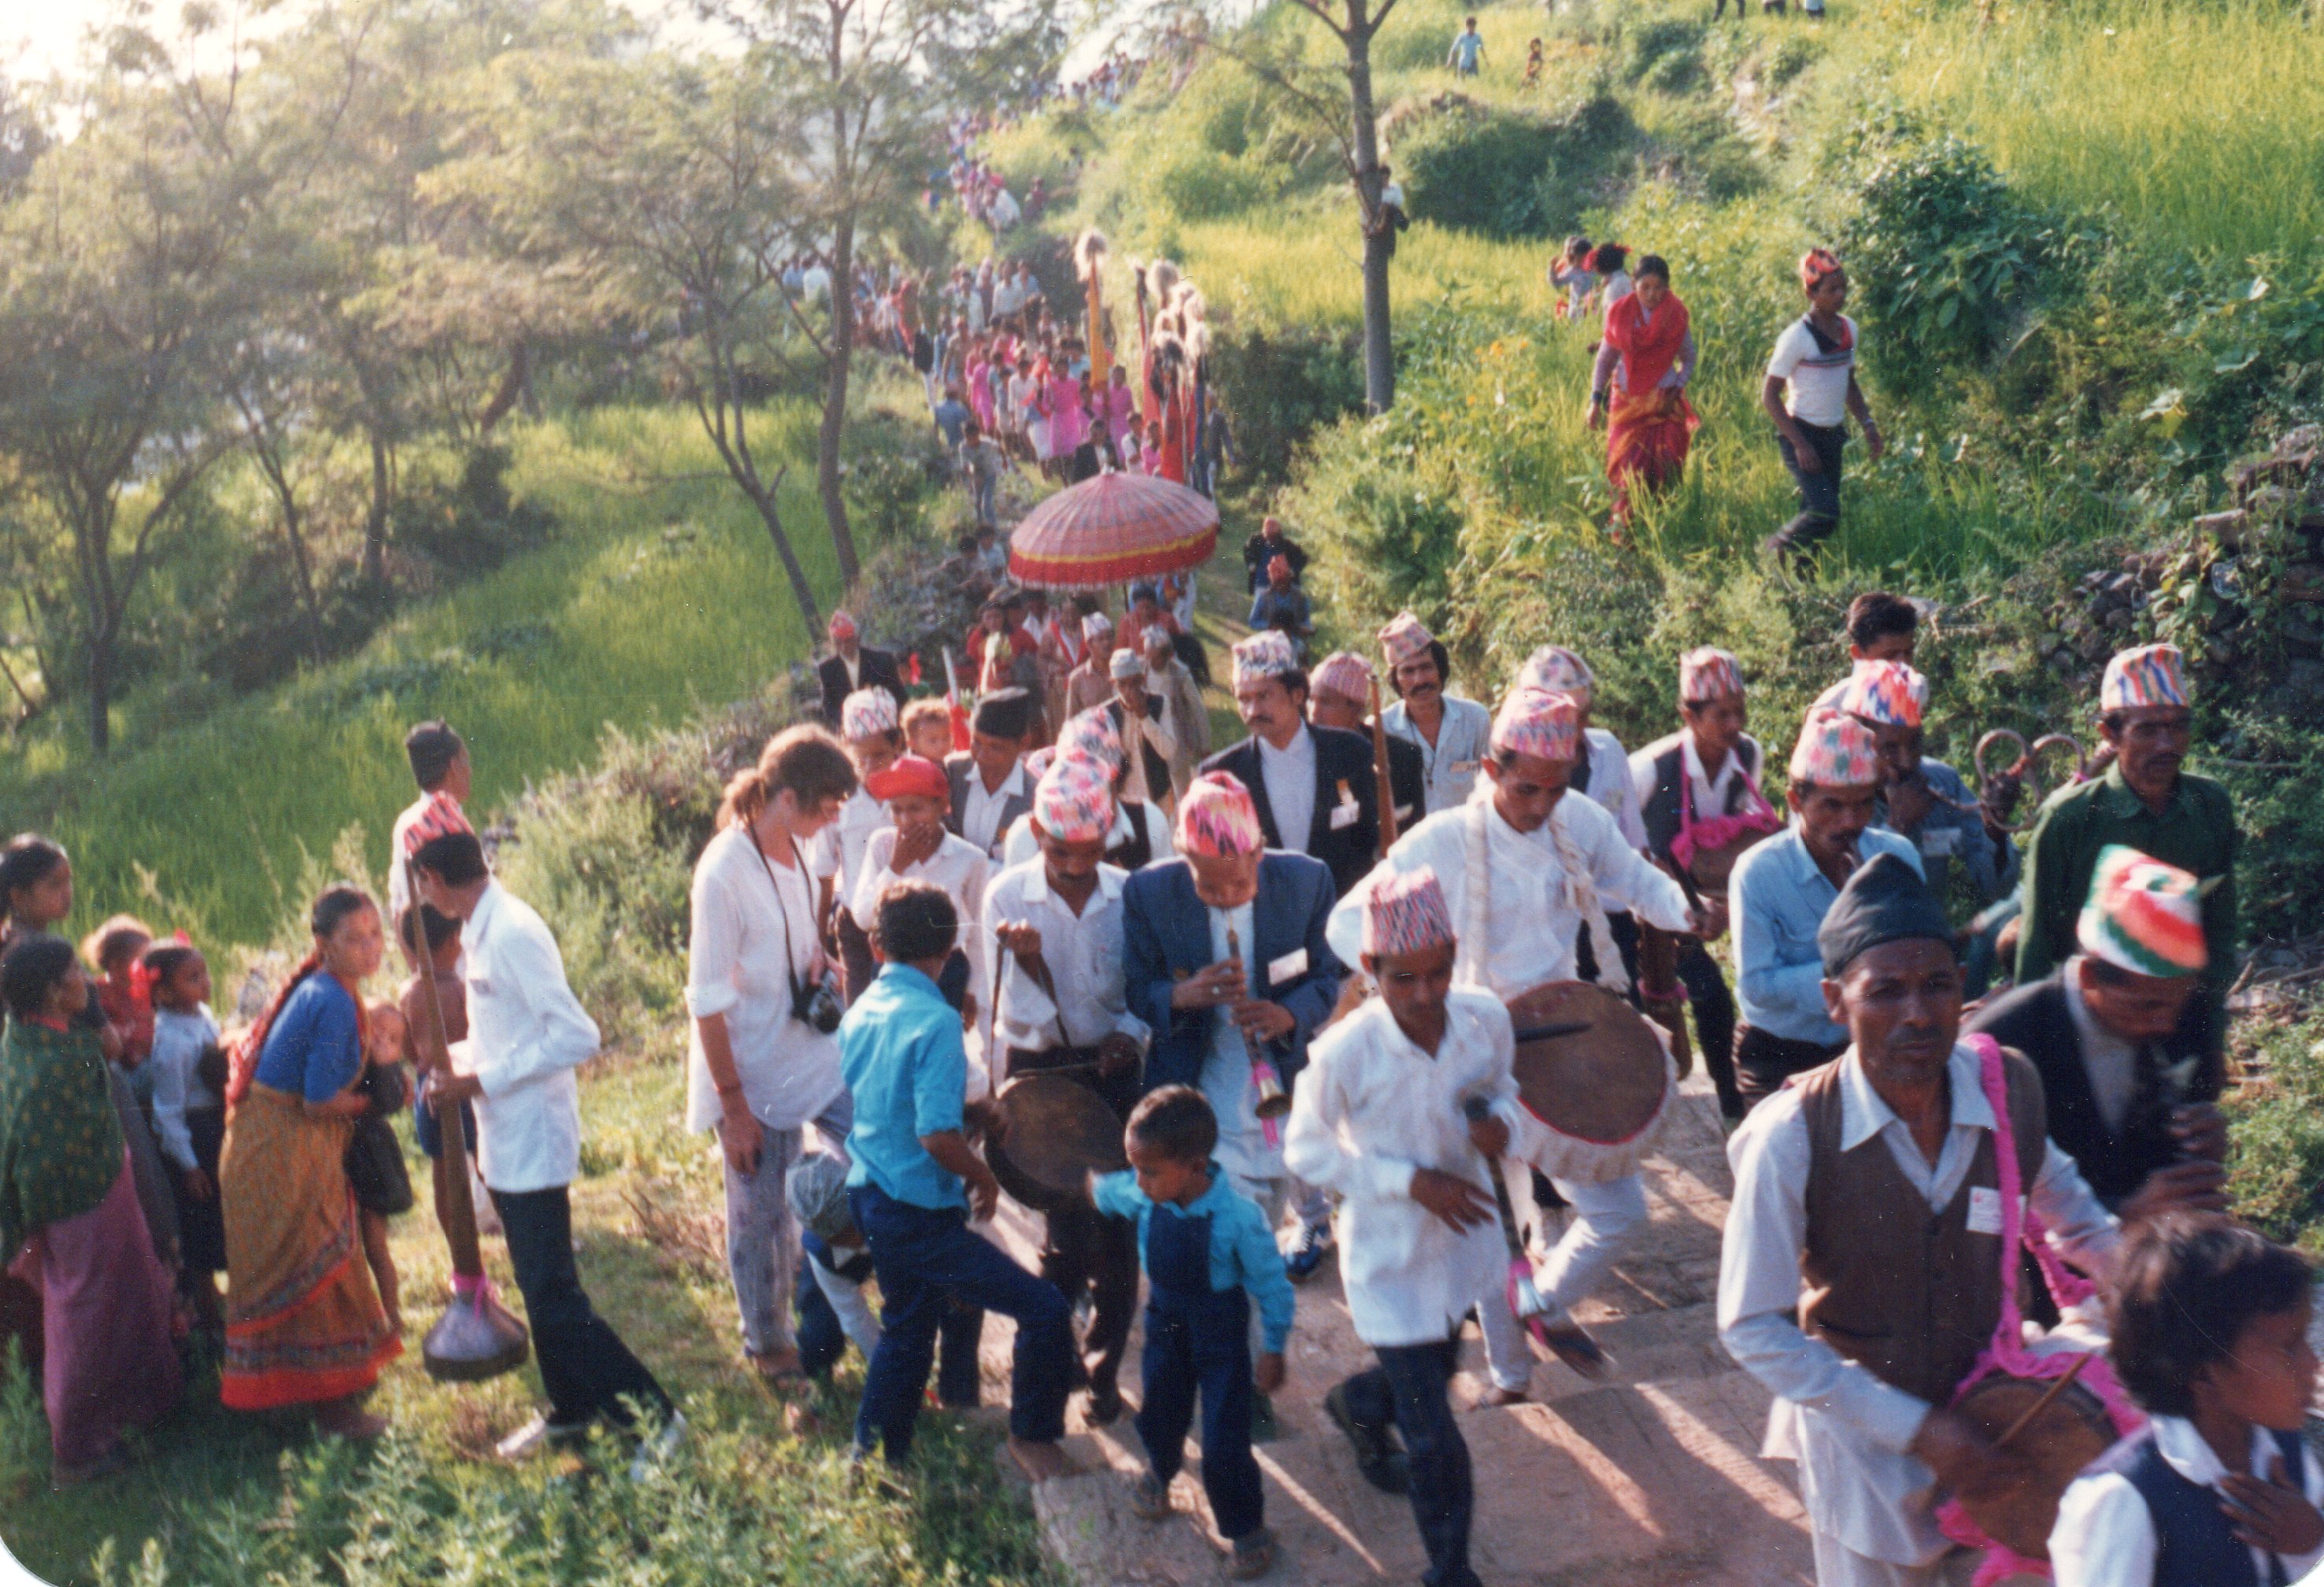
1650 1479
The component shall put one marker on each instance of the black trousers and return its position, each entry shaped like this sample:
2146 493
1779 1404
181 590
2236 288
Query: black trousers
1087 1251
1819 513
1768 1061
584 1366
1410 1390
1714 1022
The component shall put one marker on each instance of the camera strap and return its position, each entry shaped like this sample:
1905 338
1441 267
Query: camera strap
782 909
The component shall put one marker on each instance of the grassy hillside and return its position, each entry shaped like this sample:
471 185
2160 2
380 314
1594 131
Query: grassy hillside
661 595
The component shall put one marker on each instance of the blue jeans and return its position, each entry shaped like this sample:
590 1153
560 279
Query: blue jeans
1202 1343
927 1258
1410 1390
823 1338
1819 513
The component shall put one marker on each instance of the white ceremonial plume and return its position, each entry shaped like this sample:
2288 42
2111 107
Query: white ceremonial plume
1089 253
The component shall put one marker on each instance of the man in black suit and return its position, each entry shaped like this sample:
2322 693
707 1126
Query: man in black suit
990 789
853 665
1339 689
1312 786
2129 1092
1265 547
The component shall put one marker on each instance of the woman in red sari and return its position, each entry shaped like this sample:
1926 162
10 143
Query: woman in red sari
1638 388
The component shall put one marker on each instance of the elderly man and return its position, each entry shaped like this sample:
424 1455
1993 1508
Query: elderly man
1338 691
1551 867
2143 801
1147 742
1185 717
1312 786
1266 545
2130 1096
1921 800
1860 1274
1283 605
1450 732
853 665
1781 889
1090 684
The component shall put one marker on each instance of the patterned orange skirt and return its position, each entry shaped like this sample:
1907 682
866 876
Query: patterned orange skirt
304 1322
1646 440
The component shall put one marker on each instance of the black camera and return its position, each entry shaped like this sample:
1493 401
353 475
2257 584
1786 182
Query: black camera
815 1004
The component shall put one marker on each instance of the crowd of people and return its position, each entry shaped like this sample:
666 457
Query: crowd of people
1303 1030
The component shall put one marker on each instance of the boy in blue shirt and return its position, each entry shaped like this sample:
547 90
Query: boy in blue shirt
914 1180
1208 1255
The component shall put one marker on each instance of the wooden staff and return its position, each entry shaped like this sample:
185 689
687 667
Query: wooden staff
2043 1404
456 1203
1381 775
1660 996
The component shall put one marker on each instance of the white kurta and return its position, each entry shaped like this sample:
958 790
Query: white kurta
1371 1109
1530 927
527 1034
1848 1429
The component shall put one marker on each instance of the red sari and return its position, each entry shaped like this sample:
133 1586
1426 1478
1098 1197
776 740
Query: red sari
1648 426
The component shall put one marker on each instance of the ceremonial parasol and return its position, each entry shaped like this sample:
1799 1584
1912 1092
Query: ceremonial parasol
1111 529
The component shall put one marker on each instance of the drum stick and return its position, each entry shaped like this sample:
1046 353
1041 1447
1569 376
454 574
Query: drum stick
2043 1404
1552 1032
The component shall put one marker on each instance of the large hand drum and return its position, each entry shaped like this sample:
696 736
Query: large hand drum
1057 1133
1601 1093
2065 1435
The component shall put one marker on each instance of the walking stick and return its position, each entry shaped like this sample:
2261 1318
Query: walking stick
476 1337
1380 773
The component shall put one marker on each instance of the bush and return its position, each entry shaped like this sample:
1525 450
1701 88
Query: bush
1944 258
1507 174
1203 184
2277 1164
1665 53
473 524
1280 386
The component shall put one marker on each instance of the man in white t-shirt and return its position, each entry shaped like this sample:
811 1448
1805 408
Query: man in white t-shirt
1809 392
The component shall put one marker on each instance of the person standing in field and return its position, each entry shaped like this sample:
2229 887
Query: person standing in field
1810 393
1637 387
1468 51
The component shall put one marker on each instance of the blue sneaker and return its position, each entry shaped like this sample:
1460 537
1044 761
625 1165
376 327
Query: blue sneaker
1309 1254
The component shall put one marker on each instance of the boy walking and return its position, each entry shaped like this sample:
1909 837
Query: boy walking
913 1185
1208 1254
1406 1105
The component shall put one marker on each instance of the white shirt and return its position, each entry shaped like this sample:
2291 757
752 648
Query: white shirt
1289 774
527 1034
1372 1107
1226 1081
399 884
1613 786
1022 845
1818 381
2110 1062
958 866
1081 952
2105 1534
980 816
842 844
178 1043
1847 1428
1451 765
1530 927
745 909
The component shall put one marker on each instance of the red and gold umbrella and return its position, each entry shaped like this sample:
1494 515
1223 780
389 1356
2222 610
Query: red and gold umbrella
1111 529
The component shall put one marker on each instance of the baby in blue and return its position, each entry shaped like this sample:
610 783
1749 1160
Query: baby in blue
1209 1257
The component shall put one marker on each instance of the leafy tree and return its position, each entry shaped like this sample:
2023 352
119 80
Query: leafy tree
652 194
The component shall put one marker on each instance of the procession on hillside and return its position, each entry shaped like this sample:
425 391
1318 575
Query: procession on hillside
1042 1038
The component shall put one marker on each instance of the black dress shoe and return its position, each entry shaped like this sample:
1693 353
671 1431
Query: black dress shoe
1383 1465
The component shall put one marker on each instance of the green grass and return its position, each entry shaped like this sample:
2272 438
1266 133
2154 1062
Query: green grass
223 1496
656 599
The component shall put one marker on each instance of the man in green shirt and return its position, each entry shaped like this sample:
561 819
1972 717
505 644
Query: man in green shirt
2142 800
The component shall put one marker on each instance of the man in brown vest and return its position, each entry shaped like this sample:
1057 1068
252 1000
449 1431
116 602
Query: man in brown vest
1867 1198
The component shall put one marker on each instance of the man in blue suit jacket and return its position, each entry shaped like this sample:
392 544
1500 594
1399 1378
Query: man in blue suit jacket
1208 1013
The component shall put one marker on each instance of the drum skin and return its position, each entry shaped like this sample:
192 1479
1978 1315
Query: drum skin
1601 1094
2072 1431
1059 1133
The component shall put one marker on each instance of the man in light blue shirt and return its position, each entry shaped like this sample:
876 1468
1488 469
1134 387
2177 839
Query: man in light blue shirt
1452 733
914 1185
1781 892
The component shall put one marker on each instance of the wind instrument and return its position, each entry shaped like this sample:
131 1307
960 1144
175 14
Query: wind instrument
1273 1099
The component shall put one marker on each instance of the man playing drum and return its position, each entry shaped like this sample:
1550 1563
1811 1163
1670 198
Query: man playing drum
1053 933
1524 872
1867 1204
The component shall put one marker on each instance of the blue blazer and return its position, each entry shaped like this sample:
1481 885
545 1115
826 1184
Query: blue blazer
1167 933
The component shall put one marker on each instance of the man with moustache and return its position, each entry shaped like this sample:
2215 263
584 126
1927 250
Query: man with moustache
1451 733
1312 786
2143 801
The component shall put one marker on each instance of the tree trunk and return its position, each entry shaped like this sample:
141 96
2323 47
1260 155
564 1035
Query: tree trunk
801 591
375 553
828 482
303 567
512 387
1379 237
100 690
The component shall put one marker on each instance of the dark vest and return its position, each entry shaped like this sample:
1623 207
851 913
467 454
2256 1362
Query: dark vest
1909 1294
2195 1546
1659 804
1137 851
